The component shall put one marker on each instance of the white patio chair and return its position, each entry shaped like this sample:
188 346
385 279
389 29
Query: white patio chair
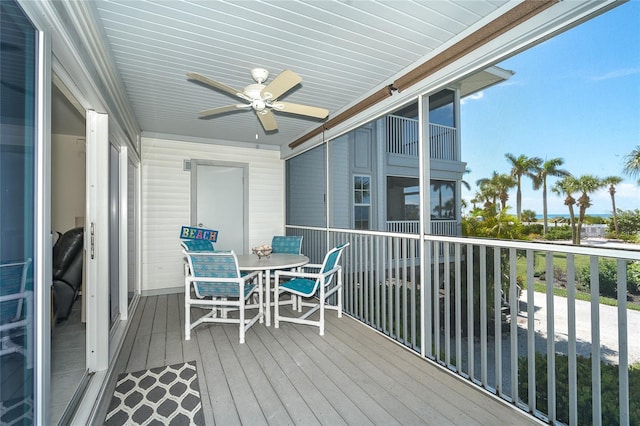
216 283
312 280
289 244
16 314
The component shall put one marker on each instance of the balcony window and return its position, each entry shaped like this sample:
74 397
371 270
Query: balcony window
443 200
403 198
441 109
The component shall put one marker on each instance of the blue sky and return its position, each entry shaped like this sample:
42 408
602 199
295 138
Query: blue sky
577 97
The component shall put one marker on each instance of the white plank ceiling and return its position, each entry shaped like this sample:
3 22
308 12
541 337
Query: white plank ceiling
343 50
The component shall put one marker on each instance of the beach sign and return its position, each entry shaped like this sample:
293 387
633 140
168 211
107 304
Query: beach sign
193 233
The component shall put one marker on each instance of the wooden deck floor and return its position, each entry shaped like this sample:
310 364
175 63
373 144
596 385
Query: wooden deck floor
291 375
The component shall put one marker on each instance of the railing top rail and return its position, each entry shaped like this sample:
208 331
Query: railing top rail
359 231
442 125
612 252
403 118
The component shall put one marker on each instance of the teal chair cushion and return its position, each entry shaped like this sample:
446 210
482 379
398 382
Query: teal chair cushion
287 244
197 245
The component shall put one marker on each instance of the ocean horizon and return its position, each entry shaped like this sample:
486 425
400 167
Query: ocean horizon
566 215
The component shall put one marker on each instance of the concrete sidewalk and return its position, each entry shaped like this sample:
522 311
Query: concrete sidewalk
608 327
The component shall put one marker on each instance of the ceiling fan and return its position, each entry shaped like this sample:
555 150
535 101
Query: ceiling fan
262 98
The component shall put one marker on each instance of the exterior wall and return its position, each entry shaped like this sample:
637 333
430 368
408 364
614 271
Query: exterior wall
341 184
306 193
166 189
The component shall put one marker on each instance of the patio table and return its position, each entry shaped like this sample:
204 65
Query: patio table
273 262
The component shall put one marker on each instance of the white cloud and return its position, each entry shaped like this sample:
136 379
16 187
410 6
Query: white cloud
624 72
474 97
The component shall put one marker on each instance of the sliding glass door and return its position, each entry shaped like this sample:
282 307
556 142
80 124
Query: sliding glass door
18 93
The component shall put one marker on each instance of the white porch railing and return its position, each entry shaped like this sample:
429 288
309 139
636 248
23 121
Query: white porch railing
443 142
438 227
403 134
403 226
445 227
464 311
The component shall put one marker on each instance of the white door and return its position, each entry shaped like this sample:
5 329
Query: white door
219 201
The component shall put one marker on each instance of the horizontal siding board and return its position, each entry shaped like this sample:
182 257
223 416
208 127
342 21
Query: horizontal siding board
166 201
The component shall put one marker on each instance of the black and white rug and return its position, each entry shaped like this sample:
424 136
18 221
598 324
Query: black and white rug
159 396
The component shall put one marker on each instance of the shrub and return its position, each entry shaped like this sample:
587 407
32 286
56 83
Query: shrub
633 277
528 216
594 220
558 233
609 381
628 222
608 277
534 228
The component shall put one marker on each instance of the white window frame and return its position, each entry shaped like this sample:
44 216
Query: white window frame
355 204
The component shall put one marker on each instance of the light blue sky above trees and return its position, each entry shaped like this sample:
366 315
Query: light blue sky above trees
576 96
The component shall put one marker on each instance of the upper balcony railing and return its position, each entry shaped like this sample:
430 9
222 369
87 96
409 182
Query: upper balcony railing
403 133
470 305
438 227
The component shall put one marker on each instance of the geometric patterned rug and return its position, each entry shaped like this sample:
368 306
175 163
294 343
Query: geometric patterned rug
159 396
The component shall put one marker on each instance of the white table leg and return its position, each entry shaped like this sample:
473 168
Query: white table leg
267 287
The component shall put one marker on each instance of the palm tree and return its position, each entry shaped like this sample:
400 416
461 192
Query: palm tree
612 181
486 192
464 183
585 184
548 168
497 187
632 163
522 166
566 186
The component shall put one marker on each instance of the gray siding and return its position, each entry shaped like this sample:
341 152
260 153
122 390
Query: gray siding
341 183
306 182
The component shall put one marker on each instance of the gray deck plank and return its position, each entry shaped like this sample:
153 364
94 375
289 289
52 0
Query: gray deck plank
281 386
140 350
403 390
266 398
158 340
315 399
291 375
223 406
316 367
173 348
243 395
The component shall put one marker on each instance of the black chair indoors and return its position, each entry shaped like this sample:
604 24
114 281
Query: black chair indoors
67 271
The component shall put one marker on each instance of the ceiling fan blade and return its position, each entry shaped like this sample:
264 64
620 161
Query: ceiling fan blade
301 109
267 120
284 82
209 82
220 110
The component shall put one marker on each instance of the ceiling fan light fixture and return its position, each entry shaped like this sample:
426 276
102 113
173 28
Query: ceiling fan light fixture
258 104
